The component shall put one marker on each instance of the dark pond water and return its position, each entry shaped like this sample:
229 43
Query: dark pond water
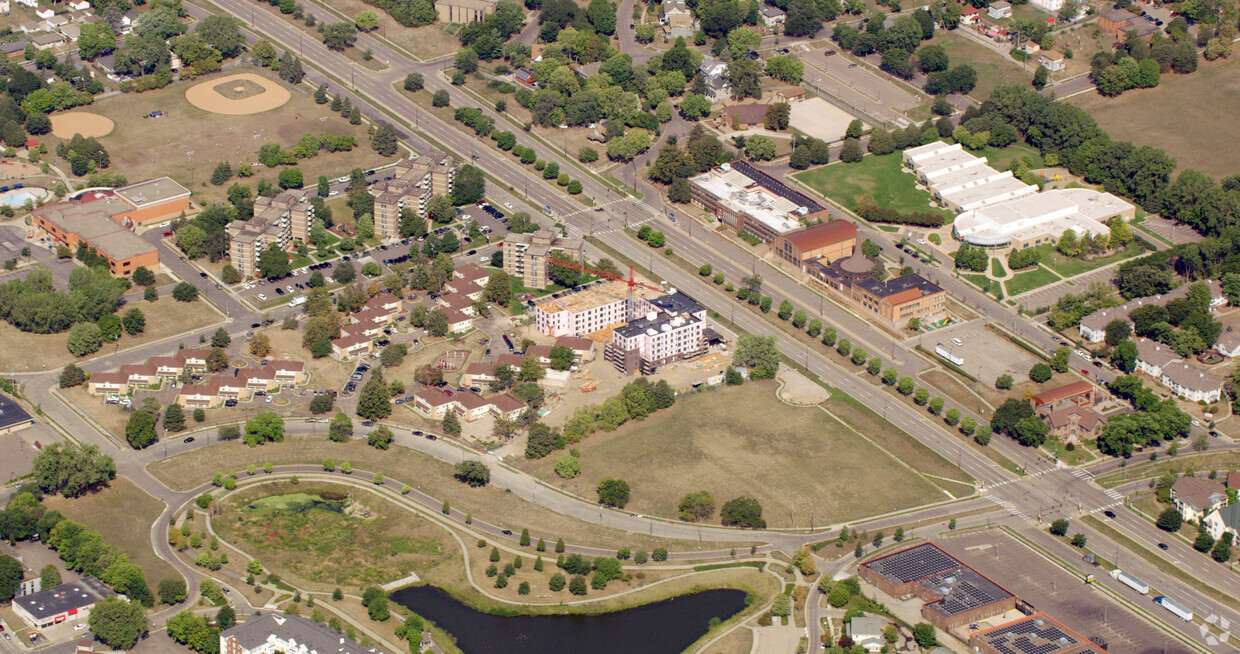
666 627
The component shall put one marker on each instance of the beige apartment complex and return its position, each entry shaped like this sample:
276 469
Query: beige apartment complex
525 255
277 221
415 181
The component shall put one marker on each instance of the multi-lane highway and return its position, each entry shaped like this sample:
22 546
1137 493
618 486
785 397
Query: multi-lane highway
1045 493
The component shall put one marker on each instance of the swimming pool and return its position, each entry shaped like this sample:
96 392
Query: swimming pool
18 198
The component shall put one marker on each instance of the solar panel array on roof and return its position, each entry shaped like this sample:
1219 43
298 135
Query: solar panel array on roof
961 590
1035 635
913 564
775 186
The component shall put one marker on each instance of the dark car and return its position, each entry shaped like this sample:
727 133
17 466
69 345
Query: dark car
1108 513
190 439
471 252
202 275
507 532
368 423
279 291
1162 546
430 436
255 325
417 432
230 403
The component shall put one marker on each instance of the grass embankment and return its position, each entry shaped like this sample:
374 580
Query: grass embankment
490 504
123 513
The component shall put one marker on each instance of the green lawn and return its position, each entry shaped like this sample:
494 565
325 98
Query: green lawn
798 463
883 178
1001 158
1071 266
1027 281
996 267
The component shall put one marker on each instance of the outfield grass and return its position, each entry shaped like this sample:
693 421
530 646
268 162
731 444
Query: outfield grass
883 178
1072 266
1027 281
123 513
794 461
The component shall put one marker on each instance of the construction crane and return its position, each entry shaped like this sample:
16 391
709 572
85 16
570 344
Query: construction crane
633 283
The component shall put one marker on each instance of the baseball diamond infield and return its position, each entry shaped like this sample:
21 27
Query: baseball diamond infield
80 122
238 95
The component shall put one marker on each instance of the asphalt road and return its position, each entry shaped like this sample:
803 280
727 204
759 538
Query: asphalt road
1021 497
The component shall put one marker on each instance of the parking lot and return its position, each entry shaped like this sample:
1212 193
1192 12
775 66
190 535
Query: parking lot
494 226
1049 588
986 354
855 84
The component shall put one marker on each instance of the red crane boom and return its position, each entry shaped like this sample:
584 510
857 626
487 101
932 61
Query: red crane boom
633 283
594 271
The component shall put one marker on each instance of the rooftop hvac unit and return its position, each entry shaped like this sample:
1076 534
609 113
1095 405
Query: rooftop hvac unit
1039 622
652 315
725 167
665 327
651 332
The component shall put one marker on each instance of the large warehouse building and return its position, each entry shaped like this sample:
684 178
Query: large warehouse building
955 594
96 221
997 210
1041 218
52 606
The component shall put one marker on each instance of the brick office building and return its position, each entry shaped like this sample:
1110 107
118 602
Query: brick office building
955 594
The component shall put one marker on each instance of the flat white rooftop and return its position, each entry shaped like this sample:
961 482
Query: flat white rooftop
998 190
742 195
1050 213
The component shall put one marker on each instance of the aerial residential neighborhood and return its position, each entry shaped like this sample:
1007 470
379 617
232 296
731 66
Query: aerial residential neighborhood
722 327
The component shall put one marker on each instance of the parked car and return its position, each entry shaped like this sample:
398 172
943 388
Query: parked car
188 439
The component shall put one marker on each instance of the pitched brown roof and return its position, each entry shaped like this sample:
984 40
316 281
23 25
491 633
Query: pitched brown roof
1055 394
822 235
479 368
506 402
1201 494
574 343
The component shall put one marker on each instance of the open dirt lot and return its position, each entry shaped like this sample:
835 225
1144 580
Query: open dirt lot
820 119
399 464
1061 595
188 142
794 461
164 317
81 122
123 513
238 95
1186 115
